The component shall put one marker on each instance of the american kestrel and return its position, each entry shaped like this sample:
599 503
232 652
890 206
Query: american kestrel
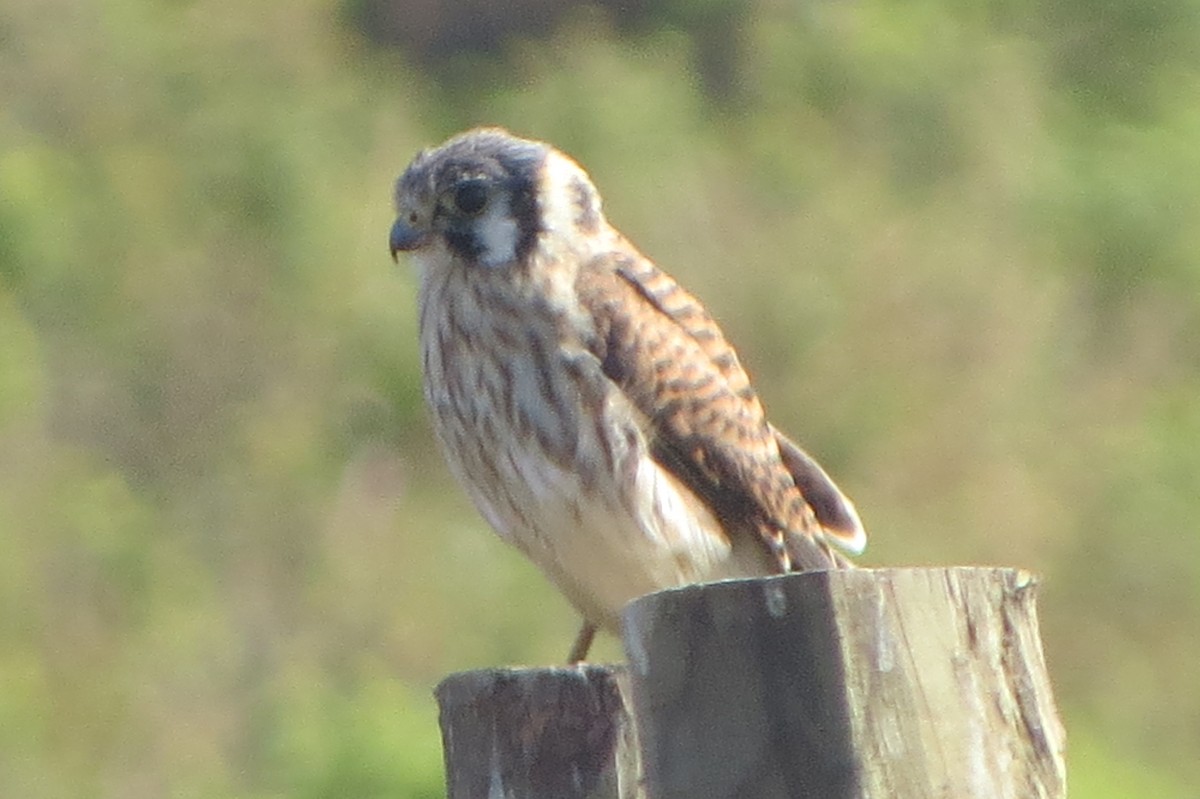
590 406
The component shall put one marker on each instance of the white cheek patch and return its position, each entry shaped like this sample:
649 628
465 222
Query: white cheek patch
559 211
497 232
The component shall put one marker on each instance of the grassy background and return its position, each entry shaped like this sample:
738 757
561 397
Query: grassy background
957 247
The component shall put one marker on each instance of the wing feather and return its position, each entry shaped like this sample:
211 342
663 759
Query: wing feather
708 427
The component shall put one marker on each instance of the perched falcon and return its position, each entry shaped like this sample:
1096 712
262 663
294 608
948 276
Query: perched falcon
590 406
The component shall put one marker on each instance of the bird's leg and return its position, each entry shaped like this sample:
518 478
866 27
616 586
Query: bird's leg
583 642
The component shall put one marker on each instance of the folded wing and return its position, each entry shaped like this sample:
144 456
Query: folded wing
705 423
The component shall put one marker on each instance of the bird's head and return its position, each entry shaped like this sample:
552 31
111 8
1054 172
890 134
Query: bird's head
488 198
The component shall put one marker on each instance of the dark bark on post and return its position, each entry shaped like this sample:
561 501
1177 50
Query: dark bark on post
856 683
552 733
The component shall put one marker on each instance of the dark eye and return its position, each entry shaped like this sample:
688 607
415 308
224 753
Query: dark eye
470 196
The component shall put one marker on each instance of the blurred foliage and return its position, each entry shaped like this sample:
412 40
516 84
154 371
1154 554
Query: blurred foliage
956 245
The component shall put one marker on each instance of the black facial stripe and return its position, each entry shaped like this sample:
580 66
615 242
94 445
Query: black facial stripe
463 242
587 219
522 190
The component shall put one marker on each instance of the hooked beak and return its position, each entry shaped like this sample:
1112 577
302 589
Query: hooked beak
405 238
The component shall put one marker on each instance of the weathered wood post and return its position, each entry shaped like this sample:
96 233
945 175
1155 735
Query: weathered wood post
550 733
858 683
870 684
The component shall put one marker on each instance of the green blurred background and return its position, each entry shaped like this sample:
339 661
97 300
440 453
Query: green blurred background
957 246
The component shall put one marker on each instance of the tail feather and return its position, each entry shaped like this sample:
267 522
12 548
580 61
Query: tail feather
835 513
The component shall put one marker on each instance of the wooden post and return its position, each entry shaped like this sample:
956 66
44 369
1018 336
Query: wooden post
859 683
552 733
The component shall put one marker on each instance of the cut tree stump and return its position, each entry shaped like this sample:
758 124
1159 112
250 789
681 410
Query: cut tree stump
856 683
552 733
